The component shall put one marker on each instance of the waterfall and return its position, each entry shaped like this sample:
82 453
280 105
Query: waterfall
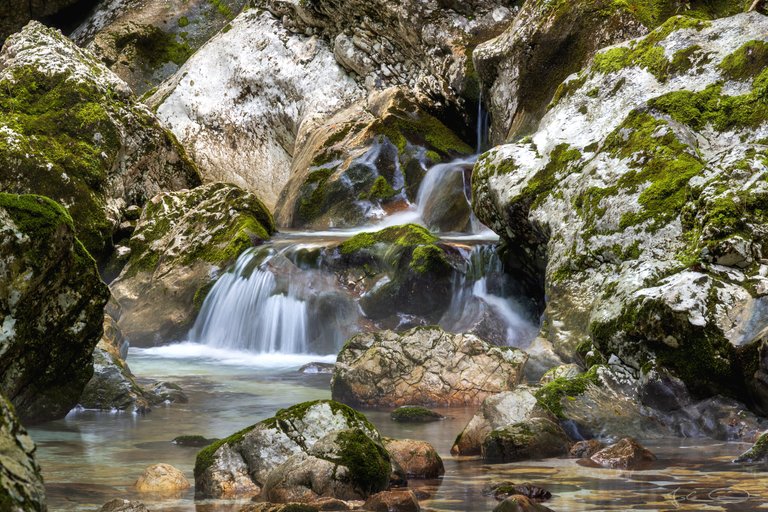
244 311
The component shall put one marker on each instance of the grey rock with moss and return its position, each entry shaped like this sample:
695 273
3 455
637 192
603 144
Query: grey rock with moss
414 414
51 306
758 452
423 366
365 161
21 483
73 131
182 240
642 183
626 453
535 438
240 465
145 42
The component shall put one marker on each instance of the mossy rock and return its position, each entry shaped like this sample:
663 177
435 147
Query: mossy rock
196 441
21 483
536 438
414 414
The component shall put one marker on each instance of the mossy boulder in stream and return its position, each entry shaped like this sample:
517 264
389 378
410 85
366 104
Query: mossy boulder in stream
73 131
182 240
241 465
364 161
640 199
21 484
51 305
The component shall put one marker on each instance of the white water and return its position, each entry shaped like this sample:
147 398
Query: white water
189 351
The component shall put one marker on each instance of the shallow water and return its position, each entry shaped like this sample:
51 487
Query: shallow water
91 457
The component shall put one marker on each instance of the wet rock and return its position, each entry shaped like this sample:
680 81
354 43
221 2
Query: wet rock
393 501
239 465
244 100
414 414
503 490
624 276
418 459
161 478
346 465
757 453
52 302
426 365
21 484
183 239
585 449
193 440
625 454
168 392
74 132
365 161
317 368
123 505
315 506
520 504
536 438
564 371
495 412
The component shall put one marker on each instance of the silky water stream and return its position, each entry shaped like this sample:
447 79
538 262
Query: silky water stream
274 312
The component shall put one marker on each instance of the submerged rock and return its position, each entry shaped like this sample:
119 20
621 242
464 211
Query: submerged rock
625 454
162 479
123 505
21 484
52 302
414 414
182 240
585 449
240 465
503 490
417 459
519 503
193 440
630 183
424 365
73 131
317 368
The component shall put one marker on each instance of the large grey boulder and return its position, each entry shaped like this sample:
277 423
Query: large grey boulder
21 484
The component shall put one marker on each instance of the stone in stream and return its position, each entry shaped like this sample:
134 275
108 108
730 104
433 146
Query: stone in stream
414 414
426 366
535 438
163 479
503 490
316 368
758 452
401 500
585 449
417 459
519 503
624 454
123 505
196 441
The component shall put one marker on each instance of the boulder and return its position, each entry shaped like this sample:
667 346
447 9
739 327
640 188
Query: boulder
504 490
73 131
401 500
424 365
414 414
240 104
417 459
145 42
346 465
585 449
625 454
495 412
21 484
52 302
193 440
536 438
240 465
366 161
662 273
758 452
123 505
162 479
520 503
182 240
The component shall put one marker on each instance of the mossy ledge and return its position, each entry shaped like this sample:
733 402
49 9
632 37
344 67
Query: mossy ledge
551 395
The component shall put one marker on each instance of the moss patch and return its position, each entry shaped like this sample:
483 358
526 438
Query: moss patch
368 461
408 235
551 395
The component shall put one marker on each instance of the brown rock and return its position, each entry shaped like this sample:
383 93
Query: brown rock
121 505
626 454
519 503
393 501
585 449
418 459
162 478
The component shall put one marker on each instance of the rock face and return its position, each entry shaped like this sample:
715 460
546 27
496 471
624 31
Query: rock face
625 454
424 365
240 103
21 485
364 161
638 199
15 14
181 241
73 131
145 42
51 305
161 478
241 465
418 459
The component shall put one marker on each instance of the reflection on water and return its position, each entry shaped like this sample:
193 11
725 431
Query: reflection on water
89 457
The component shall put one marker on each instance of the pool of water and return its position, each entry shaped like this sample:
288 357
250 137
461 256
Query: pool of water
91 457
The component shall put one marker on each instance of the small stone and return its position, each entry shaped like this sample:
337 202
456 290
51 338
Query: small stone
121 505
317 368
625 454
503 490
162 478
519 503
393 501
418 459
415 414
194 440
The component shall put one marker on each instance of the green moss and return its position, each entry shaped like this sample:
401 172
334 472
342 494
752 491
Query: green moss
684 60
368 462
313 193
561 161
204 457
747 62
408 235
222 8
551 395
428 259
298 411
155 46
200 295
183 21
381 190
414 414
